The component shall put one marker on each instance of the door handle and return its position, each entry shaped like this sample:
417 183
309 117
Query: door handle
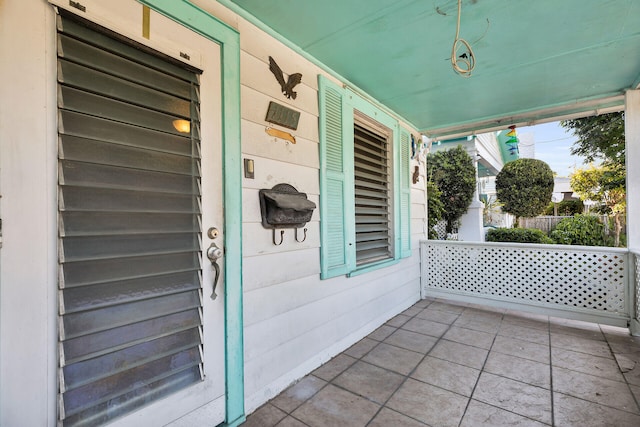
214 253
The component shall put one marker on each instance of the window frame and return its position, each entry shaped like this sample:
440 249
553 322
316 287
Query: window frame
339 109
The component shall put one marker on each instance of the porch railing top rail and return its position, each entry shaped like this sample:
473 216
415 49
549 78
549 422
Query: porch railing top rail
572 248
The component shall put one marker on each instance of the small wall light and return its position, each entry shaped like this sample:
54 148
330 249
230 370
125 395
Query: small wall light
183 126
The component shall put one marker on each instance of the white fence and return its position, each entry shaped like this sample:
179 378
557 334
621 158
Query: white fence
544 223
579 282
635 280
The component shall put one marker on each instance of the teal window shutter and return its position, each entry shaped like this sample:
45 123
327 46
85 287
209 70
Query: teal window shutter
405 193
336 189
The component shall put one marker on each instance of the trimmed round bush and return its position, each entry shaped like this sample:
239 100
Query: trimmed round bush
518 235
524 187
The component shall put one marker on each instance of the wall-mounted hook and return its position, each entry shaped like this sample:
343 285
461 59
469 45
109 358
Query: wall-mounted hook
281 237
304 238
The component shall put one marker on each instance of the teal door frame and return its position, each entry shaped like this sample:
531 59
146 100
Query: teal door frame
228 38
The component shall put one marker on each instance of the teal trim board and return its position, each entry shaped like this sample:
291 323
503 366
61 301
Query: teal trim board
229 40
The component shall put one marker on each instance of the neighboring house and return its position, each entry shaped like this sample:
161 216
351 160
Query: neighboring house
141 283
562 189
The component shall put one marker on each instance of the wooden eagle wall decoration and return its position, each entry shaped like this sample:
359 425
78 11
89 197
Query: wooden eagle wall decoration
292 81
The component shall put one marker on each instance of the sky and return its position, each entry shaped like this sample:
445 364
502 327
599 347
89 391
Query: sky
552 145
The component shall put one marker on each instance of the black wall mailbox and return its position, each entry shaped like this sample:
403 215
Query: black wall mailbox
285 207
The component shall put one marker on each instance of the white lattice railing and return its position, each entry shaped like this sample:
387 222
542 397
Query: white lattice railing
587 283
635 282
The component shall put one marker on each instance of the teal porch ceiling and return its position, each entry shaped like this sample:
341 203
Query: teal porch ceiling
536 59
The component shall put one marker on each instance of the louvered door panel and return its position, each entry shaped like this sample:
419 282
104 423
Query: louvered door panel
129 225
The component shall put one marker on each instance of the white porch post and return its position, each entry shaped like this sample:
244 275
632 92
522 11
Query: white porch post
632 137
471 226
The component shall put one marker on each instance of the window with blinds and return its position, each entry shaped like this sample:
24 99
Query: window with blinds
372 198
129 225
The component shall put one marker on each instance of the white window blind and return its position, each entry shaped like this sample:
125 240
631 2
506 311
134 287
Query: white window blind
372 196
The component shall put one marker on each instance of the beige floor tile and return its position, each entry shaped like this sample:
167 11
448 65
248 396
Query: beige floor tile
572 412
411 341
381 333
591 387
526 320
388 418
298 393
461 354
334 367
426 327
290 422
586 363
394 358
629 364
576 328
333 406
519 369
422 303
361 348
594 389
429 404
589 334
398 320
265 416
537 336
636 392
470 337
524 399
480 414
519 348
447 375
369 381
412 311
478 324
581 345
439 316
445 306
622 342
517 314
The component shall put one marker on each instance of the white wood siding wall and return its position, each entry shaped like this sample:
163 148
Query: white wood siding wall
294 321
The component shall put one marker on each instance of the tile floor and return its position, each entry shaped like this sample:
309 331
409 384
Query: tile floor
444 364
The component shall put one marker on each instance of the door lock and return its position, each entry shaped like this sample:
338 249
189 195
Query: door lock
214 253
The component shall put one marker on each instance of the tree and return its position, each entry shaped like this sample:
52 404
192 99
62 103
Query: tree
435 208
452 171
525 186
599 137
603 184
602 138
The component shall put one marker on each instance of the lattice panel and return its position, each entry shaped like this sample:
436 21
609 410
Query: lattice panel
441 229
571 278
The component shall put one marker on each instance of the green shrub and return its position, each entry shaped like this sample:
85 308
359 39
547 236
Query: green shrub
518 235
435 207
584 230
